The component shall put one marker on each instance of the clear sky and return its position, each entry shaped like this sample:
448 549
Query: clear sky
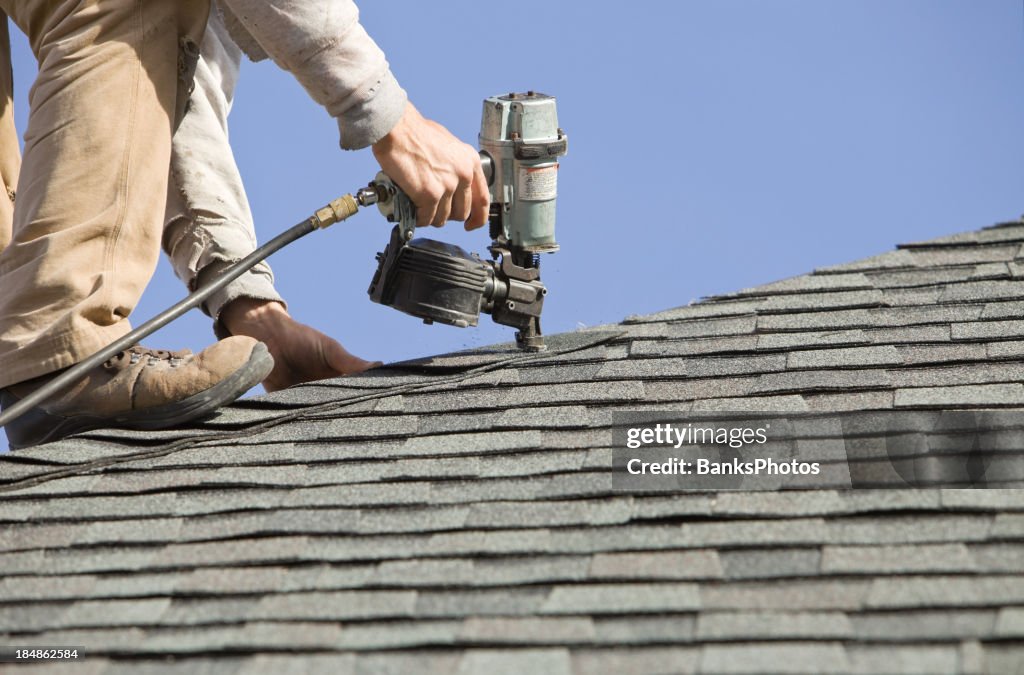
714 145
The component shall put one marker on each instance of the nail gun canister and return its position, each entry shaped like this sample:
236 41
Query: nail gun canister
520 134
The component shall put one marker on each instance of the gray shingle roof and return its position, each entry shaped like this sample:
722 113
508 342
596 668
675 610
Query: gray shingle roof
455 513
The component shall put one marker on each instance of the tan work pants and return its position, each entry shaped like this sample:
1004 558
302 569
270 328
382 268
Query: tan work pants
93 181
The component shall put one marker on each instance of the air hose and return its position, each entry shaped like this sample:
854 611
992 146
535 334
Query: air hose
338 210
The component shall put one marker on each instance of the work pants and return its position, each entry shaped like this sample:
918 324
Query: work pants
91 191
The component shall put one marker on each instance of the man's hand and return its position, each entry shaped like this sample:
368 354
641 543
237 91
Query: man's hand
440 173
301 353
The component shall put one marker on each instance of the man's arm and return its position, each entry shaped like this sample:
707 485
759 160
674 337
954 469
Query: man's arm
323 45
209 226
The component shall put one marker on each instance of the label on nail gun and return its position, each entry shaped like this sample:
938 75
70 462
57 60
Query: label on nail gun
538 183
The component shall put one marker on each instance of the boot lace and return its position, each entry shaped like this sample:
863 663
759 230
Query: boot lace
133 355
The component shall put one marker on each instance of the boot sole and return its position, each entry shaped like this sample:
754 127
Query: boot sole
37 426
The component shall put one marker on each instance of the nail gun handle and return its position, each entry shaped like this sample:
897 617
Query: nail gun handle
395 205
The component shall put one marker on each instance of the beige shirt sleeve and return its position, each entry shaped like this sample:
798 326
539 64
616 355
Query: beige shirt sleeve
322 43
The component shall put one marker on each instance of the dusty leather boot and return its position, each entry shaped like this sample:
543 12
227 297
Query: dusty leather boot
142 388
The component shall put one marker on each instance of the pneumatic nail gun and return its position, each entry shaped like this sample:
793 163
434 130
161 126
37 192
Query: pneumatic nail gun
520 143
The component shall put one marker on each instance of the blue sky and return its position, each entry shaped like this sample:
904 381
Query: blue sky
714 145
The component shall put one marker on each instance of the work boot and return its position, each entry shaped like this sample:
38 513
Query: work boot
140 388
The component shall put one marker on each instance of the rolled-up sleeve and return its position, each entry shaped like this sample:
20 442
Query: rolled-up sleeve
327 50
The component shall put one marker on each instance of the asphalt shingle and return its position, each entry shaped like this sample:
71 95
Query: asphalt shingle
457 513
